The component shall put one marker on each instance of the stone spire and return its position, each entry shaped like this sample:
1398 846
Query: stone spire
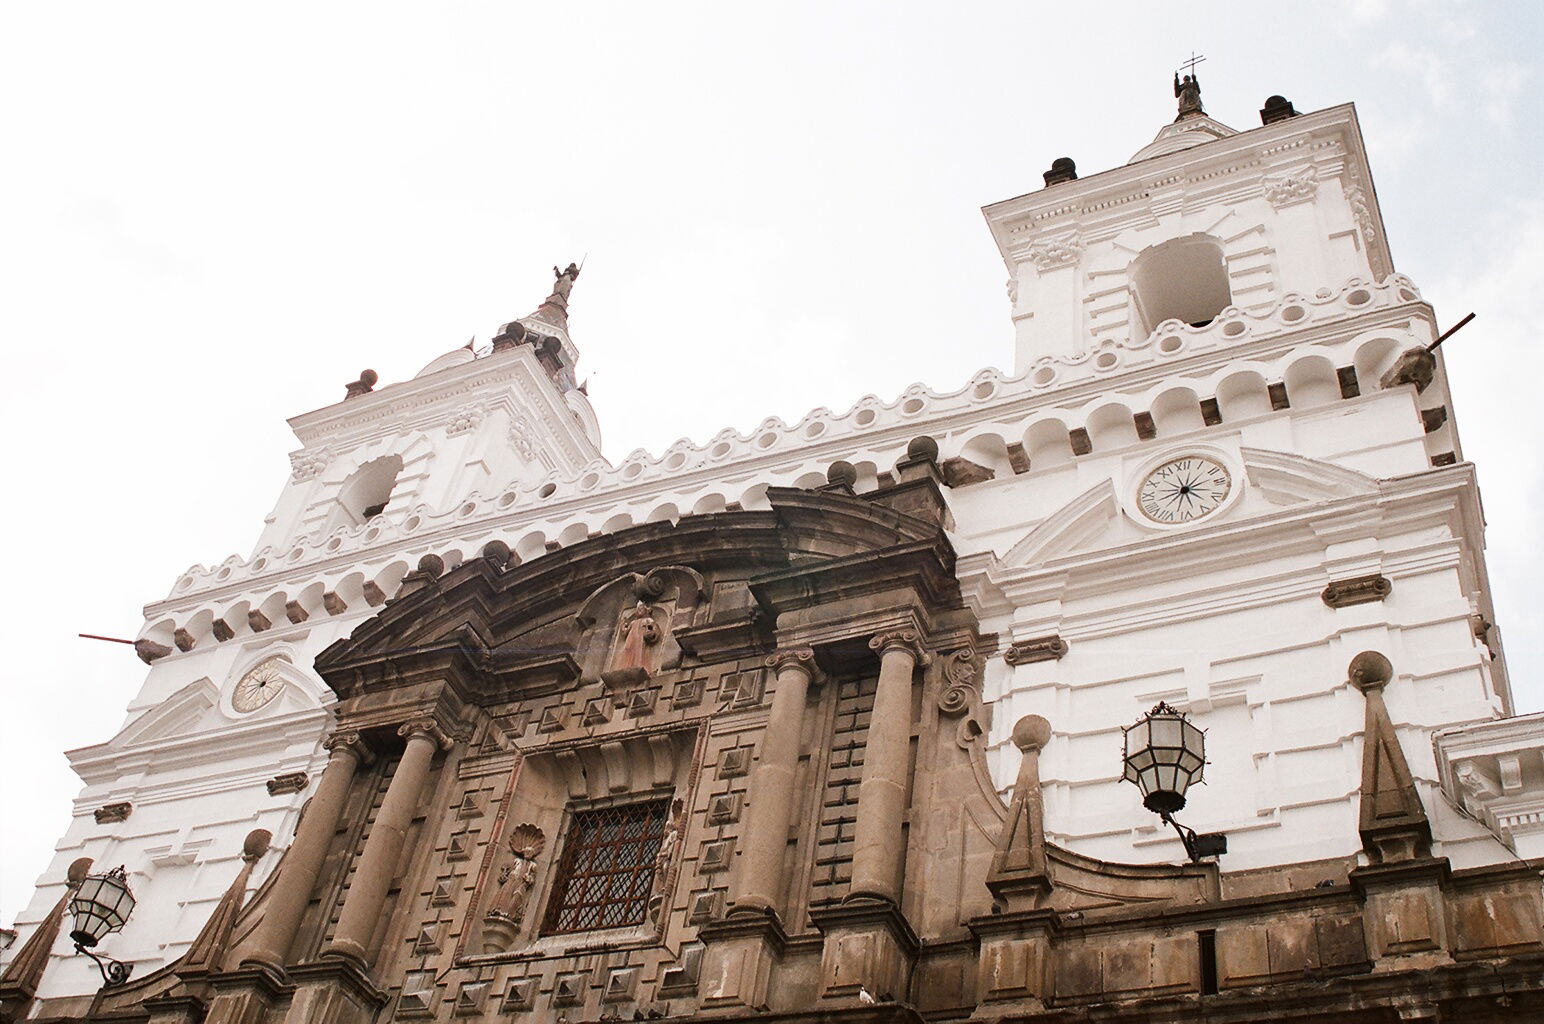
1020 874
207 954
22 975
1393 823
546 331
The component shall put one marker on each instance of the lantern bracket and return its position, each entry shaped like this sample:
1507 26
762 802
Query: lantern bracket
1197 847
114 972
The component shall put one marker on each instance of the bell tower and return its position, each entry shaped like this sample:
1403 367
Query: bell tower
1204 226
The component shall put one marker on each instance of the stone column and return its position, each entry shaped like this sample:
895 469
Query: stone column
760 882
297 872
373 874
877 848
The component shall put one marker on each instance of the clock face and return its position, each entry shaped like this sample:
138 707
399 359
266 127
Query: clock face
1183 490
259 686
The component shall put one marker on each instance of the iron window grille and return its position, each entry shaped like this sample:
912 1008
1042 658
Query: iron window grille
606 873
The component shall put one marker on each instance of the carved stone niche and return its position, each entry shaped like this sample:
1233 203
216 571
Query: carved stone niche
556 782
627 627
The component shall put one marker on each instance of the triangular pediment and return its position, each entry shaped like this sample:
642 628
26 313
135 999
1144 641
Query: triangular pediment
1286 479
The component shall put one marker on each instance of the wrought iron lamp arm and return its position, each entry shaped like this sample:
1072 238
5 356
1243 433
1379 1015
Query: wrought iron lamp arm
114 972
1197 847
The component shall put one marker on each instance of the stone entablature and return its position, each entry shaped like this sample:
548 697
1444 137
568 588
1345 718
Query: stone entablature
1495 772
1009 414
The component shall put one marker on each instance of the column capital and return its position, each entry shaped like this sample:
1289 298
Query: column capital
908 640
348 741
425 726
802 658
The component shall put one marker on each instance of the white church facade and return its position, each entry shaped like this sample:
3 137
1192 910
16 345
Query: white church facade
1225 465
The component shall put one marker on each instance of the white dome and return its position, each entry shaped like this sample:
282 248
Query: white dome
446 361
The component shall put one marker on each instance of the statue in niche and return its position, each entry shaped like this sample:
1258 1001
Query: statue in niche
636 633
507 909
667 848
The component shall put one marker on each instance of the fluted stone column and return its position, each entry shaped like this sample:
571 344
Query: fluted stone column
877 848
760 883
297 872
372 876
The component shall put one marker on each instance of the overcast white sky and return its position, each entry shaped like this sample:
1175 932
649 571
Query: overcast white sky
214 215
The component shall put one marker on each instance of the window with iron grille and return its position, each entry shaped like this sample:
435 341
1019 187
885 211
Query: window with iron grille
606 873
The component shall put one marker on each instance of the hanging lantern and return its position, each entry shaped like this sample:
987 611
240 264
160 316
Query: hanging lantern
101 905
1165 754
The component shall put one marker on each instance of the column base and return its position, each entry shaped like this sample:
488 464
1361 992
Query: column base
1405 913
333 991
1014 963
246 995
741 953
869 945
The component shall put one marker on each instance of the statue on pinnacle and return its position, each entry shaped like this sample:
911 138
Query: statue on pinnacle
563 285
1188 91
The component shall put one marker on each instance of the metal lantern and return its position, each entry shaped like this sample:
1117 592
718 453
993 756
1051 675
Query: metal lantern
1165 754
101 905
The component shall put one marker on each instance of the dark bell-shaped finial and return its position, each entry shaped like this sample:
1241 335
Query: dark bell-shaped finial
1062 169
1277 108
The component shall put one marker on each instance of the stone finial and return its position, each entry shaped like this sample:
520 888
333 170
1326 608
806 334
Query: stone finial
1277 108
1370 671
922 447
432 565
510 335
1032 732
1392 821
363 386
1062 169
1020 874
256 844
497 552
841 474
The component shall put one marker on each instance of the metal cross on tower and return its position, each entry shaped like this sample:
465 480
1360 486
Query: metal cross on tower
1189 66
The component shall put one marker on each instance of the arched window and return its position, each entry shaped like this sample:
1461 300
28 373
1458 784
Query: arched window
365 494
1182 279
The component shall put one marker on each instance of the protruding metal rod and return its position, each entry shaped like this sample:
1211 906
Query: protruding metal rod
1445 335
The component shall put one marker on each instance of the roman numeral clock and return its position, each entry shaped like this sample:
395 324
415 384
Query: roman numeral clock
1185 489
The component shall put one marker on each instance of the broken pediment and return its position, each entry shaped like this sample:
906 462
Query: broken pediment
616 602
1286 479
191 710
1069 528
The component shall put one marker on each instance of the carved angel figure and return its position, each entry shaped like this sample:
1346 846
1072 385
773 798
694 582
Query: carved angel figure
517 879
